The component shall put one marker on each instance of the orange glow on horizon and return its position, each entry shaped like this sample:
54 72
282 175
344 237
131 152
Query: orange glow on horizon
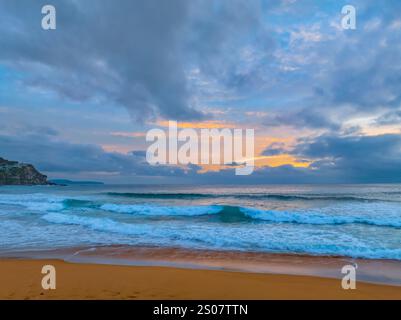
263 161
129 134
199 125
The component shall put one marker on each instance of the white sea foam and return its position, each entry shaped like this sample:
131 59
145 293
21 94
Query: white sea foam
34 202
303 239
152 210
100 224
390 217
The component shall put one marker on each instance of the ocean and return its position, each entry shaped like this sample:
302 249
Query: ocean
359 221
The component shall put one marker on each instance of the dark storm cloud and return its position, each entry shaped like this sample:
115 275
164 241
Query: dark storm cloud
124 52
356 147
131 53
53 155
335 159
220 32
355 158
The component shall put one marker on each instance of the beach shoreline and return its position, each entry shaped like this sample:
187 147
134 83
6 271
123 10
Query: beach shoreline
176 273
21 279
376 271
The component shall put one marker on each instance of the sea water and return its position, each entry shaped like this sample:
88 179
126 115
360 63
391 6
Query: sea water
361 221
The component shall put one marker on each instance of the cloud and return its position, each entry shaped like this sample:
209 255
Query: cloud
336 159
305 118
274 149
128 134
199 125
183 60
24 128
125 53
355 158
57 157
338 73
231 42
137 54
362 68
389 118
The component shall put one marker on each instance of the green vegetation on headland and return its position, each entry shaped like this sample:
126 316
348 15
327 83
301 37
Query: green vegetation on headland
15 173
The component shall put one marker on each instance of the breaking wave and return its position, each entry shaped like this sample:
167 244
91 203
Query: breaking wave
378 214
222 238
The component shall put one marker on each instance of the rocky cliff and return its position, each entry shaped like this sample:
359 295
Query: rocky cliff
15 173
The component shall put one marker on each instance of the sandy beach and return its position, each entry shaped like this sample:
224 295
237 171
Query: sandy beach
21 279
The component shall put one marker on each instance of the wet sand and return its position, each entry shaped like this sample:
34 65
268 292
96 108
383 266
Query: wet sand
116 272
371 271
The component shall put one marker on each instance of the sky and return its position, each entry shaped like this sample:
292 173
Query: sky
325 102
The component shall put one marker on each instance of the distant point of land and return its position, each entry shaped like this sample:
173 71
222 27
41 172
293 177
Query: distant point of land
67 182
